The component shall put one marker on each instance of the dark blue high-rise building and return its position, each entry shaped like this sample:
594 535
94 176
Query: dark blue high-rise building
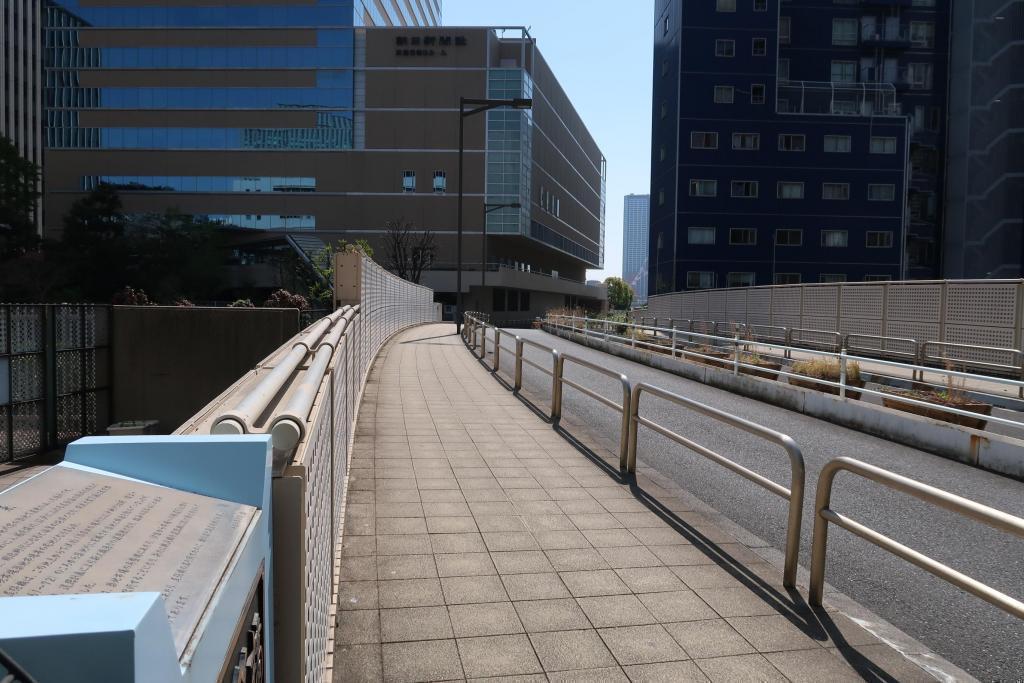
796 141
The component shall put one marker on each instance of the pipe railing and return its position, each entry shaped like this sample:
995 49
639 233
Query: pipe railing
794 494
796 491
824 515
631 419
663 342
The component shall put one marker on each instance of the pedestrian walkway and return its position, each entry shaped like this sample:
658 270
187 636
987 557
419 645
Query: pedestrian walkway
481 543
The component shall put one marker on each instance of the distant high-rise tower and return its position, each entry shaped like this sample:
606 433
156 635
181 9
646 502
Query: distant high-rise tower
635 224
21 90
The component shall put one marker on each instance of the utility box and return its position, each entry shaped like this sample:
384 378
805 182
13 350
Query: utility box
141 559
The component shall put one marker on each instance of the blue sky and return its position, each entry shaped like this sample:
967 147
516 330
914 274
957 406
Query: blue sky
601 52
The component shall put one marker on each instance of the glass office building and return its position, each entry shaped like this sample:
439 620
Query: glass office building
635 227
301 124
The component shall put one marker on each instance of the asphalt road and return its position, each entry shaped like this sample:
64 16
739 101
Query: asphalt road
966 630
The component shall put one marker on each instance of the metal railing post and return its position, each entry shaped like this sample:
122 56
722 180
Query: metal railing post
842 373
736 355
497 348
483 342
633 332
634 414
517 382
673 340
557 367
627 401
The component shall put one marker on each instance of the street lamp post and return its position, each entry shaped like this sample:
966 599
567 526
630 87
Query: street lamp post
476 107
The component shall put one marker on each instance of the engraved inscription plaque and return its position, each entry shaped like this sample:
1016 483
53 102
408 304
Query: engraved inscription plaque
68 531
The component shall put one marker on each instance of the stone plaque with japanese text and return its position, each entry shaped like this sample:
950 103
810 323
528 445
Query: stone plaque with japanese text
67 531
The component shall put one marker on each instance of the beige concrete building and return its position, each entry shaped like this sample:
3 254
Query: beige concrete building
21 90
303 136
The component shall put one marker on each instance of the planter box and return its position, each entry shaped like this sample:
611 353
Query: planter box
718 359
938 414
827 389
765 369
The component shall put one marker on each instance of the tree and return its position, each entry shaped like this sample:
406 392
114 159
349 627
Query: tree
620 294
93 252
282 298
319 284
408 252
19 182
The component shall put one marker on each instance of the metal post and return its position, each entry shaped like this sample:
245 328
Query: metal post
497 348
673 340
736 355
458 247
842 373
517 382
557 364
634 415
627 392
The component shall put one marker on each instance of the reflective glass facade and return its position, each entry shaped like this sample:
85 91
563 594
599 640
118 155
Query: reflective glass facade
509 154
219 184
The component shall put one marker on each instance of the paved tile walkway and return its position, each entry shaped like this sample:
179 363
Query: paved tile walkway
480 543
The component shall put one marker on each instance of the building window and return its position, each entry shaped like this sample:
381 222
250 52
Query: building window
742 236
744 189
725 48
834 238
662 153
787 278
921 76
785 30
664 27
740 280
724 94
700 235
440 182
408 181
664 109
725 5
760 5
923 3
881 192
883 145
703 188
832 277
790 190
790 142
703 140
664 67
661 197
837 144
759 47
922 33
844 31
844 72
746 141
877 278
878 239
756 93
789 237
700 279
783 71
838 191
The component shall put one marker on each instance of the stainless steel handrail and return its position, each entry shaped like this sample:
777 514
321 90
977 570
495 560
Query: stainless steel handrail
794 494
996 519
560 380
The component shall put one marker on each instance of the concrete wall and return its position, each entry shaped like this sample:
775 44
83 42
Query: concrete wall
168 362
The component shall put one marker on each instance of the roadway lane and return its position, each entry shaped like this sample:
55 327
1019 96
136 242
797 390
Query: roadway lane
977 637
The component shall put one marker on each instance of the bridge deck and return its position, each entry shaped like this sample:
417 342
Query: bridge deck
481 543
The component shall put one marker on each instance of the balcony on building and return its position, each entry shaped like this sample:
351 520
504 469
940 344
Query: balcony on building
832 98
884 34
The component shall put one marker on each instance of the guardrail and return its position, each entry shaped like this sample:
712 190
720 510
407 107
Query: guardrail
794 494
699 346
929 494
631 419
884 346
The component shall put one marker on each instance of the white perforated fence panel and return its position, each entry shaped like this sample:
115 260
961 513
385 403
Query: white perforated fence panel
979 313
388 305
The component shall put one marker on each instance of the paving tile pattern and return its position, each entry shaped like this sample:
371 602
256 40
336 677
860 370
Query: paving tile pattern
479 543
